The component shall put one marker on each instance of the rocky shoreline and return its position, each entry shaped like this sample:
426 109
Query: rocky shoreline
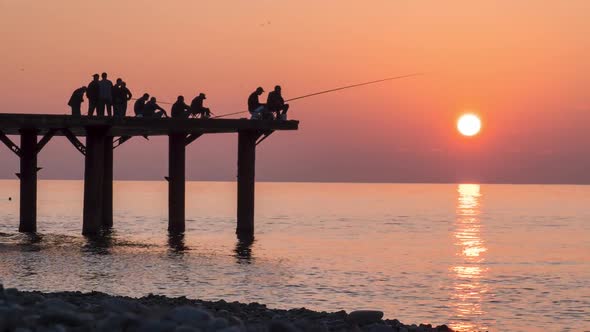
22 311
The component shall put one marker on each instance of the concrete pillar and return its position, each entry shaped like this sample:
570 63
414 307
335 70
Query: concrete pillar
28 181
107 195
176 182
246 172
93 180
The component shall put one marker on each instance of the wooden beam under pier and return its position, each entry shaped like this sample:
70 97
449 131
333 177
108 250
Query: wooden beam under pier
94 166
28 181
246 178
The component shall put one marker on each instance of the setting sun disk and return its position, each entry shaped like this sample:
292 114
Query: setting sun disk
469 124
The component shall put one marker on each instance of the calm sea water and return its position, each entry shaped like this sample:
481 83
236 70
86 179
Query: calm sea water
489 257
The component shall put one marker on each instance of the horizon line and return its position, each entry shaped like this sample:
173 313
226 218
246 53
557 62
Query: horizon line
344 182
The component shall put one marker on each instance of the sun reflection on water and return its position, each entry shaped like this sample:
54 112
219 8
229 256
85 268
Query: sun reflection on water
469 293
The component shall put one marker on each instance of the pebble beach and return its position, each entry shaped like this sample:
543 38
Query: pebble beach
24 311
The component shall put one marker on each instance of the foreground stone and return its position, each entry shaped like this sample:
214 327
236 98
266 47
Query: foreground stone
75 311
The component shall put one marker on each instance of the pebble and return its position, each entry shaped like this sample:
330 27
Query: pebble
58 304
189 315
184 328
157 326
365 317
382 328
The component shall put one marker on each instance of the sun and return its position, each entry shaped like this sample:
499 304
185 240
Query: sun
469 124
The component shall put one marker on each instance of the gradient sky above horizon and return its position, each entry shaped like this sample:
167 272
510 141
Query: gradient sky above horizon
522 66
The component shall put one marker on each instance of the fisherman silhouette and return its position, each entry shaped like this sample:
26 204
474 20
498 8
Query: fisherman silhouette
180 109
140 105
121 95
255 108
76 100
92 95
275 104
105 94
152 110
197 107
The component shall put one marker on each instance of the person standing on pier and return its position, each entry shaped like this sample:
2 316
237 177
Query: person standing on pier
105 93
76 100
180 109
276 103
92 95
197 107
140 105
152 110
121 95
255 108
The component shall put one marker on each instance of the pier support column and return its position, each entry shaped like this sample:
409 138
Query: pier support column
94 170
246 172
107 196
28 181
176 182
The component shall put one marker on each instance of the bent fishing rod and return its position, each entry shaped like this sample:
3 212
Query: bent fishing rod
333 90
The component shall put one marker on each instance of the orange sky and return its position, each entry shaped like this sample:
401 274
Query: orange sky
521 65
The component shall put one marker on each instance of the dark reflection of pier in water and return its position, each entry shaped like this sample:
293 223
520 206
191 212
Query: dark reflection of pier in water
101 243
176 243
243 250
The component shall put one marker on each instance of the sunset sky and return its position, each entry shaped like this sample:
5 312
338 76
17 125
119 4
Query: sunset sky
522 66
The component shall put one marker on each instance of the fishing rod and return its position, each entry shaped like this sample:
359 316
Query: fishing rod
354 86
332 90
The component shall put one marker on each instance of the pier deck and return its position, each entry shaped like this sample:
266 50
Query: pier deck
104 134
12 124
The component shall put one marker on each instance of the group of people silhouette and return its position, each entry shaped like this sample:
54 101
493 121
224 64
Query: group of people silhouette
103 97
275 107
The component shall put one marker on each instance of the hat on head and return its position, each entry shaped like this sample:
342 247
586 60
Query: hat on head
202 95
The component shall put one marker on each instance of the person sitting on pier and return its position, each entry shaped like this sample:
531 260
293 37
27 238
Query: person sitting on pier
76 101
197 107
152 110
140 104
276 103
180 109
121 95
92 95
256 109
105 92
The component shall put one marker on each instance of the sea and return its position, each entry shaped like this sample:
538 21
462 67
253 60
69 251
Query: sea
476 257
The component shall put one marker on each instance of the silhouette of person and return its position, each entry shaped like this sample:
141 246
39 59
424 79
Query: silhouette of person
92 95
275 103
180 109
255 108
152 110
197 107
76 100
105 93
121 95
140 105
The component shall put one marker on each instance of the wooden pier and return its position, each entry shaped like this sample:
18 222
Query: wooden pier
104 134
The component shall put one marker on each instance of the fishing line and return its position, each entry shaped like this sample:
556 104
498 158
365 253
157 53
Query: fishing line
354 86
333 90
